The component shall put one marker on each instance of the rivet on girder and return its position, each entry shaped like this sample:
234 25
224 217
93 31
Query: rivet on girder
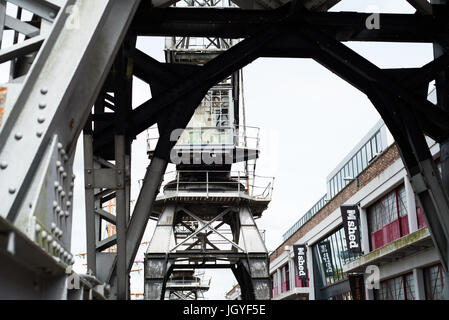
3 165
68 204
39 134
41 119
44 90
12 190
56 184
18 136
42 105
52 15
60 146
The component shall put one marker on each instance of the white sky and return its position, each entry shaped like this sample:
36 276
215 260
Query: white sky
310 120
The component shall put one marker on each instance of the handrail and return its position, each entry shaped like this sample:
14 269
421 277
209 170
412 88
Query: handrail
248 138
260 187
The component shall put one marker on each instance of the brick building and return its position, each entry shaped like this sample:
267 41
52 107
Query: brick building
393 233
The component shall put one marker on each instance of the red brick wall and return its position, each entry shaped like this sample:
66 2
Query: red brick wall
380 164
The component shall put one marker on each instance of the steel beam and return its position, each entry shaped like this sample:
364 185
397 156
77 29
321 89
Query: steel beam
399 109
232 23
442 86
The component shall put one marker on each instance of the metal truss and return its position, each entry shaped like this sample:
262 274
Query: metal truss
61 67
183 240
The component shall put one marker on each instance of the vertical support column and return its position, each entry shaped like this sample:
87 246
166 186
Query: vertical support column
122 218
442 85
365 230
292 275
89 201
156 258
418 279
310 273
257 263
411 205
369 293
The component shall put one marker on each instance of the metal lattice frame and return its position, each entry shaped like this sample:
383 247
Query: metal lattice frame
58 96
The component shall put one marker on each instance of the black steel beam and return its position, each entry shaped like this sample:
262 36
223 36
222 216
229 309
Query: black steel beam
341 60
210 74
238 23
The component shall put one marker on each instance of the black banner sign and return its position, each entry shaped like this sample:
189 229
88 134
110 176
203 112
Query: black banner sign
301 261
357 285
326 258
351 224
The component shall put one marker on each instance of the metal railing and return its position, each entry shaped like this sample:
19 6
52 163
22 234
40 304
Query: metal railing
211 138
190 281
213 182
309 214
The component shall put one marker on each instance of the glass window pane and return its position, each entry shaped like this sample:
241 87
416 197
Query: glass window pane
364 161
379 142
359 161
369 151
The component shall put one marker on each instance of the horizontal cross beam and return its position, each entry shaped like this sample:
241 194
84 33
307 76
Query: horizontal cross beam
238 23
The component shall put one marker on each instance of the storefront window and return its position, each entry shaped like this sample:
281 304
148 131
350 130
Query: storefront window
388 218
331 254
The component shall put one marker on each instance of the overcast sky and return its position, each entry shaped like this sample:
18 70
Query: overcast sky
310 119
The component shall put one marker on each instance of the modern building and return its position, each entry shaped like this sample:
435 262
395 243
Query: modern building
393 234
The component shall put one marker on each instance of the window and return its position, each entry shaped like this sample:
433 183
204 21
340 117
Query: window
399 288
356 169
435 280
330 254
379 142
359 161
287 277
369 151
285 285
388 219
364 160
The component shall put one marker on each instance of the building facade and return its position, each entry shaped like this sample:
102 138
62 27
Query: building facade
397 254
